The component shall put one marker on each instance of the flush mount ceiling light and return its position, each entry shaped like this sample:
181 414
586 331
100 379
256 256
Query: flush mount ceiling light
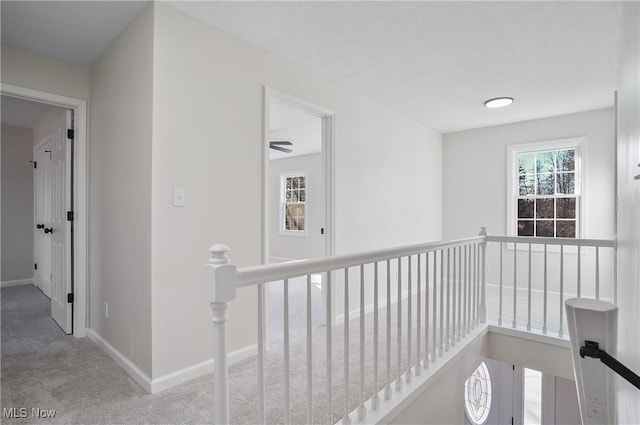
498 102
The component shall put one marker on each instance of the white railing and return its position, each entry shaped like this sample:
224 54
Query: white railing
540 273
413 304
435 290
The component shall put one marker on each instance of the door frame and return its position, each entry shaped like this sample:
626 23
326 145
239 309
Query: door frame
328 129
328 140
80 195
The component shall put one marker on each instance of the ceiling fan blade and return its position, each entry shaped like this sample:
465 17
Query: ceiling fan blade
281 142
281 149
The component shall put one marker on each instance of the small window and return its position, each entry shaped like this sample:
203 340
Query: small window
294 198
477 395
546 191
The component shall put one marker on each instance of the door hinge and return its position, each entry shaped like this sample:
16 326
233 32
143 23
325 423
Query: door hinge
70 298
69 215
35 266
322 230
70 134
35 164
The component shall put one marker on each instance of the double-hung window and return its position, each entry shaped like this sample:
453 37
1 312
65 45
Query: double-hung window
545 189
294 198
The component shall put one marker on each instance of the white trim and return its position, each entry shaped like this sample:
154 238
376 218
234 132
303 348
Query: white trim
579 144
80 196
17 282
132 370
181 376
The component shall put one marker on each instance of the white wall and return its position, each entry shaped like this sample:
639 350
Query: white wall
628 144
120 193
475 172
208 101
475 194
37 72
17 203
296 247
567 409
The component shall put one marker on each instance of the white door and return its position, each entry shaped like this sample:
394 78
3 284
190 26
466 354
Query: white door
61 283
43 217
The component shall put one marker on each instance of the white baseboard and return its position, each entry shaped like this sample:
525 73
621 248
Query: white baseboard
172 379
188 373
132 370
18 282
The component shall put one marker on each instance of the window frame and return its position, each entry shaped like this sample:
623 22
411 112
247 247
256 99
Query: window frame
513 151
282 204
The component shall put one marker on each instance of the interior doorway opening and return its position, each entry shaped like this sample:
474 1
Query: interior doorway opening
55 225
297 207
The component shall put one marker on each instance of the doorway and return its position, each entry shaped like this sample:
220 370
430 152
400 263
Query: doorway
58 219
297 205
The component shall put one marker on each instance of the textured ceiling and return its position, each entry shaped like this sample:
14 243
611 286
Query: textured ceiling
435 62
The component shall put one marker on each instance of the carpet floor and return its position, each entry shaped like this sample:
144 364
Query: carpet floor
46 369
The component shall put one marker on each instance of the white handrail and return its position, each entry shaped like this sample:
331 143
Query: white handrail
253 275
607 243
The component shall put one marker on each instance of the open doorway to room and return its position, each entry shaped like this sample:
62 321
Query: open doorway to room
43 216
297 199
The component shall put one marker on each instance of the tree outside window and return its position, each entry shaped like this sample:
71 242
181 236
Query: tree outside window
547 200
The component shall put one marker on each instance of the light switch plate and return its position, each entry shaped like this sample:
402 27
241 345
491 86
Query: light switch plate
178 197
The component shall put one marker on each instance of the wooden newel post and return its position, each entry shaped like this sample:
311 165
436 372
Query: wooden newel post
483 276
220 292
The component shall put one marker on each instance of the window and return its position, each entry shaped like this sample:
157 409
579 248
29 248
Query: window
477 395
294 198
545 185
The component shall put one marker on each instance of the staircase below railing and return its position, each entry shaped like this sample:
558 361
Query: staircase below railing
412 304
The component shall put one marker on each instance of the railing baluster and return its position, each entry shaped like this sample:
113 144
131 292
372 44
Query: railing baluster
409 373
479 290
361 409
329 362
578 273
474 282
375 399
347 409
466 290
426 311
287 373
529 293
387 389
418 368
453 301
597 272
399 326
309 355
544 314
441 345
561 287
460 325
500 290
515 282
261 407
435 298
448 328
